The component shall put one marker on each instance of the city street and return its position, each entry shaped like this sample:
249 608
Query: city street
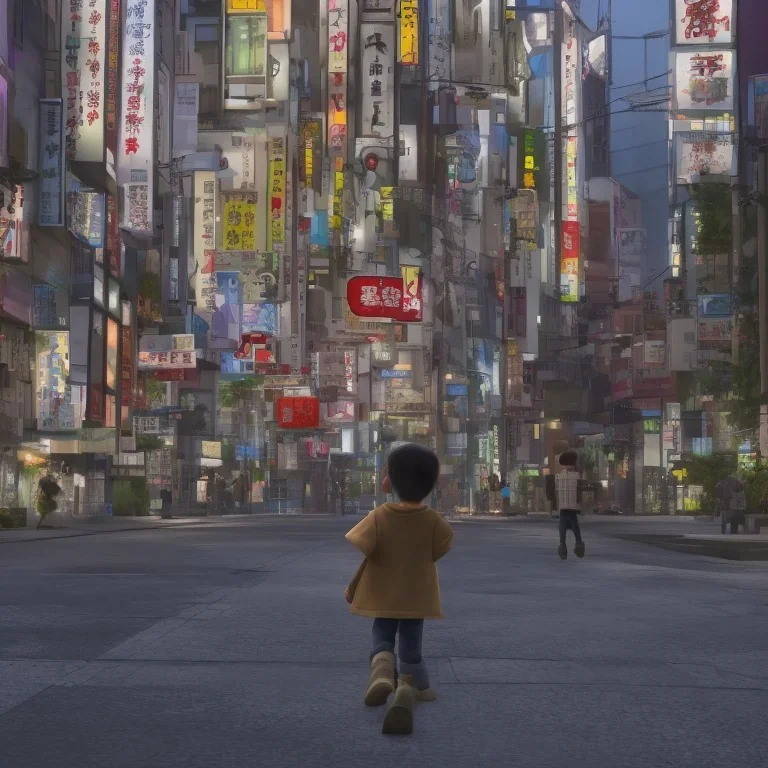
230 644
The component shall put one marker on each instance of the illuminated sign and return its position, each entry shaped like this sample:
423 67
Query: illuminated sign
83 71
210 449
530 162
205 239
394 373
704 80
135 148
409 32
246 6
51 182
378 41
277 188
385 297
704 22
569 269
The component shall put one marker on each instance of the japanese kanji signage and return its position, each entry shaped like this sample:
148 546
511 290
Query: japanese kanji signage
135 148
699 152
239 222
276 231
338 34
704 22
569 268
409 32
149 360
51 163
298 412
378 44
113 62
571 151
83 71
205 240
386 297
704 80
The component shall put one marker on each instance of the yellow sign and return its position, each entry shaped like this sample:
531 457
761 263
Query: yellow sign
246 6
409 31
240 223
387 204
276 232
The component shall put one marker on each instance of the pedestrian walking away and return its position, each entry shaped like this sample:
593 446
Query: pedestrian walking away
397 584
564 491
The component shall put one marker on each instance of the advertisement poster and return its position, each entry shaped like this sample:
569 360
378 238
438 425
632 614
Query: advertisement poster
700 153
259 273
571 252
573 189
260 318
137 109
704 22
715 329
378 79
56 410
338 35
704 80
276 230
225 322
239 223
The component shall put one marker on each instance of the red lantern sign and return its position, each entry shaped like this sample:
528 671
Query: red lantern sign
298 412
387 297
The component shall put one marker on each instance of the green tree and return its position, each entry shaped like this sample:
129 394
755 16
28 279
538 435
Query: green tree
48 491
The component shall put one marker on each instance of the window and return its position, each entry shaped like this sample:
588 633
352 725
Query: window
247 45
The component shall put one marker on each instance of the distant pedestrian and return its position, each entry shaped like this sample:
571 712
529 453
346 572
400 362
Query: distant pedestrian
397 583
731 503
564 492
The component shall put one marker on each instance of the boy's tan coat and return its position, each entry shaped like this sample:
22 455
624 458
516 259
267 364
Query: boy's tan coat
402 545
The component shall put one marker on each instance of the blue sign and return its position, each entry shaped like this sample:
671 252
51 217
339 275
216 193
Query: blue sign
392 373
244 452
457 390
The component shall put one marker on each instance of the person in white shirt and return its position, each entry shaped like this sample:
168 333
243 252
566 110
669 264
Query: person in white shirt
564 491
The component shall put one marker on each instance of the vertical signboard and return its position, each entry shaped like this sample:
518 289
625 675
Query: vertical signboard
378 55
83 71
409 32
338 12
571 153
113 64
205 240
51 163
135 149
277 166
239 222
569 268
439 43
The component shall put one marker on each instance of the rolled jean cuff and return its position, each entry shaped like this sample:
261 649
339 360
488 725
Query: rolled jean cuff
417 671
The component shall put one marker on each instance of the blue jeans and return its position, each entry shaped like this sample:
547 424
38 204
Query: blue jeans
409 657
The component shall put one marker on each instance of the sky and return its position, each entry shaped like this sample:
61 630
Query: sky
638 140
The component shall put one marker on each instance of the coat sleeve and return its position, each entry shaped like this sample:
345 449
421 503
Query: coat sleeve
442 538
363 535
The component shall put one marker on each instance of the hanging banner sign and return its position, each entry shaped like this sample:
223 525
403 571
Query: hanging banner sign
573 189
51 163
569 269
135 148
378 79
385 297
113 63
83 71
409 32
338 30
276 231
439 43
704 22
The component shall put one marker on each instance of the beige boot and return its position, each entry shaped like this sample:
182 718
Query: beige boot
382 680
399 717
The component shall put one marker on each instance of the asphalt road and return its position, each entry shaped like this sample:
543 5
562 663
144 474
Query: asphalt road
230 645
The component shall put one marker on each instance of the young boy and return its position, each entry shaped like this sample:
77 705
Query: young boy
397 584
565 494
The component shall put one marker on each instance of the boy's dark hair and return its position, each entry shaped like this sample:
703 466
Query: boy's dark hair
413 471
569 459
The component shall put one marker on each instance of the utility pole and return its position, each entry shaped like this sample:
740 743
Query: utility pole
762 276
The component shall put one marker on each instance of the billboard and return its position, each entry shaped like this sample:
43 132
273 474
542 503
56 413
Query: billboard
51 184
569 261
703 153
239 222
298 412
704 22
715 329
704 80
378 80
277 189
83 72
137 115
393 298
